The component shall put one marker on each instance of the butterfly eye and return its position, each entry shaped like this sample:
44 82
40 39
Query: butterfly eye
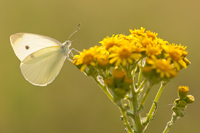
27 47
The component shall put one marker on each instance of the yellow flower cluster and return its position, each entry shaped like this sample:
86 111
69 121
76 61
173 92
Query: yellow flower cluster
127 66
154 55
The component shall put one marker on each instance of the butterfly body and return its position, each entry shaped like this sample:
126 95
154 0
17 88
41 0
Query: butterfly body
41 57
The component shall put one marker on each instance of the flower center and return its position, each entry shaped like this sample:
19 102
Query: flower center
124 53
88 58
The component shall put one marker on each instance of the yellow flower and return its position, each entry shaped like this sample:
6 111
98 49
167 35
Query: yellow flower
176 53
162 66
153 50
137 31
109 42
123 54
137 35
103 59
85 58
147 42
151 35
161 41
129 38
137 48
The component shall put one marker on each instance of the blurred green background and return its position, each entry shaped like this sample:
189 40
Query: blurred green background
74 103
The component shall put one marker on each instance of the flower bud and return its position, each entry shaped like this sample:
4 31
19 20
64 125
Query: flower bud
118 75
189 99
109 82
127 82
183 91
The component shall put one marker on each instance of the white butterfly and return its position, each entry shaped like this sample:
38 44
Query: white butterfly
41 57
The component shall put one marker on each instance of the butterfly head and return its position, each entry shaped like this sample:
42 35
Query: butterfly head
66 47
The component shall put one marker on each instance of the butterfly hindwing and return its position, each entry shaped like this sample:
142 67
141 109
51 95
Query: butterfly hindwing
41 67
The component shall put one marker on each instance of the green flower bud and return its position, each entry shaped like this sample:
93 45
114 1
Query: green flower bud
127 82
189 99
109 82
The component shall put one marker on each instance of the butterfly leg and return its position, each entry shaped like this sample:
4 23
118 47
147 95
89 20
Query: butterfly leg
70 53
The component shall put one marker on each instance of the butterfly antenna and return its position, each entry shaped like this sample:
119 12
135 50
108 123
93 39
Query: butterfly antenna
75 30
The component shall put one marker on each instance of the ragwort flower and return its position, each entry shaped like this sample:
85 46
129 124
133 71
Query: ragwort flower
85 58
123 66
109 42
103 59
123 55
153 50
162 66
151 35
137 31
177 54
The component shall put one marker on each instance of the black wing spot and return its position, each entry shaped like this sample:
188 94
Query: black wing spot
27 47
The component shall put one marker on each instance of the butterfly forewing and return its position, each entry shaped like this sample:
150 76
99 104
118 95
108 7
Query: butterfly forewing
41 67
25 44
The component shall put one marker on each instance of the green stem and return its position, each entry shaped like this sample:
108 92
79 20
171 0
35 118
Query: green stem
170 123
104 88
129 129
140 73
144 98
154 105
140 88
136 116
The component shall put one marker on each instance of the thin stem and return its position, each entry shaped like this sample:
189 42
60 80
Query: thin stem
104 88
136 116
129 129
140 88
144 98
140 73
154 105
170 123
